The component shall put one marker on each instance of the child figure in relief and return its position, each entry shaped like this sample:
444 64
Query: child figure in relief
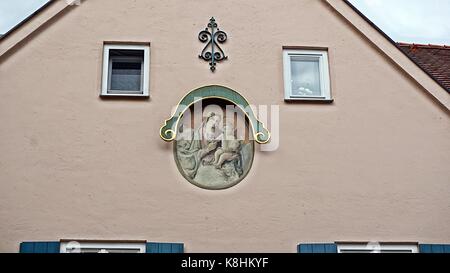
230 147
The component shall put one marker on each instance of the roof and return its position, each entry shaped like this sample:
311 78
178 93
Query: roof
45 15
389 48
434 59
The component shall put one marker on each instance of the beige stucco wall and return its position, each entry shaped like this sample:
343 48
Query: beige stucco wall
372 166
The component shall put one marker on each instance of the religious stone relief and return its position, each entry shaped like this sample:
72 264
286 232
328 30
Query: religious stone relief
214 130
214 154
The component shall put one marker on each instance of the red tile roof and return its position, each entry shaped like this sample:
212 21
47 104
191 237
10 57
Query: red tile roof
433 59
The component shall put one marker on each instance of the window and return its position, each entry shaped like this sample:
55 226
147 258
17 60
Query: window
101 247
306 75
126 70
377 248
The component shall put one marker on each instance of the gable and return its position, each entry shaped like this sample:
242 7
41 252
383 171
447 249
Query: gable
382 145
54 9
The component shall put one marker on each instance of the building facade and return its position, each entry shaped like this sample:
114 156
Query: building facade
358 154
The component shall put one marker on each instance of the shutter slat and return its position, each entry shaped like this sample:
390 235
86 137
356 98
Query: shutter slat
152 248
164 247
53 247
317 248
437 249
330 248
425 248
39 247
177 248
446 248
27 247
434 248
305 248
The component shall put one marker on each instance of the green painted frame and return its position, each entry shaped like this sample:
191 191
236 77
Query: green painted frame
169 129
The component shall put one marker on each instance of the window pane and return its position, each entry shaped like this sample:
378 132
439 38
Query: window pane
305 77
126 76
108 250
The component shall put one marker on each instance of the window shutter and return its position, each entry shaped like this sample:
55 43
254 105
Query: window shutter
434 248
165 248
39 247
317 248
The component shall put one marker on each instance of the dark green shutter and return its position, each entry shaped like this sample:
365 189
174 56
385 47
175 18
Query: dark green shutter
434 248
39 247
317 248
165 248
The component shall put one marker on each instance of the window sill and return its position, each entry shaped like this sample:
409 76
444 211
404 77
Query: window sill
308 100
136 96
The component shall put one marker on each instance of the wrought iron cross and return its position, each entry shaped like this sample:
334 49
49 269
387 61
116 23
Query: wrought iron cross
212 36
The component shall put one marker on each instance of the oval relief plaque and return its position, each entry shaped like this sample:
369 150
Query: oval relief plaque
214 151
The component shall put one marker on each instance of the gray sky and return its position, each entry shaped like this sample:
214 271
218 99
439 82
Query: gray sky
419 21
14 11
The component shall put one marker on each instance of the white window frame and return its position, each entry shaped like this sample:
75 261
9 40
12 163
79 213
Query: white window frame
322 57
66 247
377 248
107 63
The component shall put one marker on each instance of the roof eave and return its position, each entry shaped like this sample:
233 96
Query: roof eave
393 42
391 50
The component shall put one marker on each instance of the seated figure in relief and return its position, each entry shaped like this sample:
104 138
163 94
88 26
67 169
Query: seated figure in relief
230 147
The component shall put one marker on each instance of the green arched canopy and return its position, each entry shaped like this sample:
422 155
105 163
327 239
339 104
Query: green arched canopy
169 129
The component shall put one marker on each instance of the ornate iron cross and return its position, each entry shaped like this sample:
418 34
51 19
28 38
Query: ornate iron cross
212 52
